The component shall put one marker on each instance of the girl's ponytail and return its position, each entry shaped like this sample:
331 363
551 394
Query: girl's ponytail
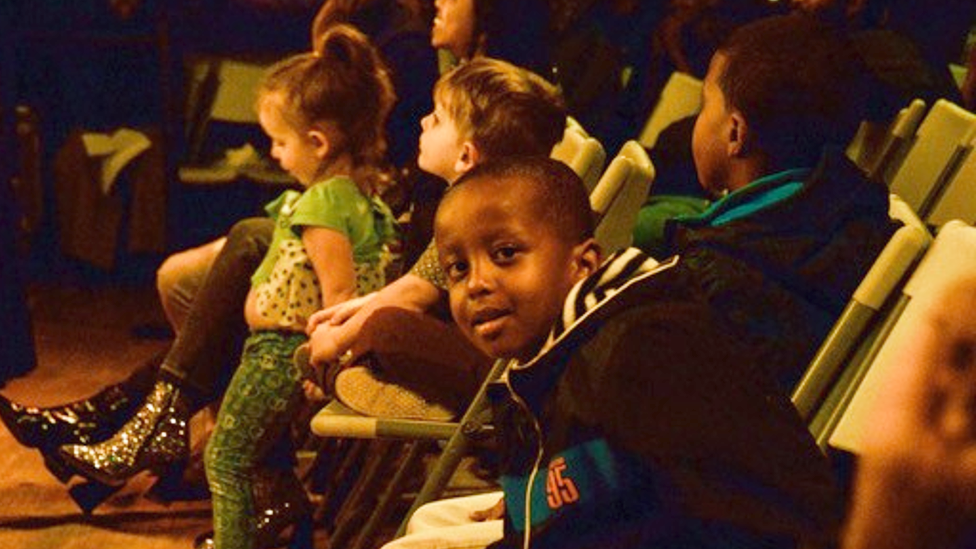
343 85
369 96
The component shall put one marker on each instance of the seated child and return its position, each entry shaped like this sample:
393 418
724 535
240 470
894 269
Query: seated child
324 113
484 109
618 426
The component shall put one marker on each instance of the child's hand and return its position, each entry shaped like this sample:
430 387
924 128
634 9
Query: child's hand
495 512
313 393
337 314
324 345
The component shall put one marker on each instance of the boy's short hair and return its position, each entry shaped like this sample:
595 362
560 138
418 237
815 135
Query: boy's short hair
503 109
798 83
557 195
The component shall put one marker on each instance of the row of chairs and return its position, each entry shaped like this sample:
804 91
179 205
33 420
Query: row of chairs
936 175
861 354
926 160
926 157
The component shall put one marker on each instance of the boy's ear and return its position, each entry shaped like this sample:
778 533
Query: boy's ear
739 135
320 142
469 158
587 256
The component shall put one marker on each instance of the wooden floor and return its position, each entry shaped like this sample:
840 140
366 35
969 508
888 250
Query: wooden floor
86 338
84 341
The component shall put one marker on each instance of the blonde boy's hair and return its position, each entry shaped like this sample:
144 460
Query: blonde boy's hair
503 109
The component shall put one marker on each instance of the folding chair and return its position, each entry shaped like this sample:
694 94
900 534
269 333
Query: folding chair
335 420
680 98
957 200
952 255
224 160
875 292
877 164
941 139
618 196
224 91
582 153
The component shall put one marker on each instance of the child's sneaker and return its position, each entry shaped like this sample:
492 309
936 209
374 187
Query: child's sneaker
364 392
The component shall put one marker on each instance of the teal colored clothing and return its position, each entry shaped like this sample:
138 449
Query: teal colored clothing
335 204
761 194
653 217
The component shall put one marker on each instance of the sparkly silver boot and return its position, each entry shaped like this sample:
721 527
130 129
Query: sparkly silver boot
155 438
282 511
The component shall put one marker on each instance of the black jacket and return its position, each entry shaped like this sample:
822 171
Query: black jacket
657 415
780 277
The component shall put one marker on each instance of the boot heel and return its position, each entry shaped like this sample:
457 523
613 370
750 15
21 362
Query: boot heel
155 437
91 494
57 468
172 485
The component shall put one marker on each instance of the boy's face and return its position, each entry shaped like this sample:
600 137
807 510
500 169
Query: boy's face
442 148
508 272
709 142
297 152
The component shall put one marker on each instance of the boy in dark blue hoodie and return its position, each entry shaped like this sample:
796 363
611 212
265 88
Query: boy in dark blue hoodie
632 418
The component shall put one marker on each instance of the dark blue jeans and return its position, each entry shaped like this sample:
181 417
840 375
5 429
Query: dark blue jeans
206 352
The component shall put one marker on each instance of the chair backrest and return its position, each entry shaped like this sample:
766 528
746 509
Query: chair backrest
877 290
237 86
951 256
221 90
866 144
877 161
958 198
680 98
943 135
582 153
618 196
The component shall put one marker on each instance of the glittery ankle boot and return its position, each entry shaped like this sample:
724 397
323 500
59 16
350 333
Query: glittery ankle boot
155 438
83 422
282 511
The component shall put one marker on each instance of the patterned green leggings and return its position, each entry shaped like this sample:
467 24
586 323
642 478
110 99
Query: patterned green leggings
259 404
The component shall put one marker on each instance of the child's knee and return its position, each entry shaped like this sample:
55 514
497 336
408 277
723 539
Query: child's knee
180 277
253 234
168 277
218 458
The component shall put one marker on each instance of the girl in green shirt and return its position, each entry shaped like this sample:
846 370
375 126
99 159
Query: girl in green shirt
324 113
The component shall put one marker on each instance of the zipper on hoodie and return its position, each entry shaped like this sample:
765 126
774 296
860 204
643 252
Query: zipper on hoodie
527 517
